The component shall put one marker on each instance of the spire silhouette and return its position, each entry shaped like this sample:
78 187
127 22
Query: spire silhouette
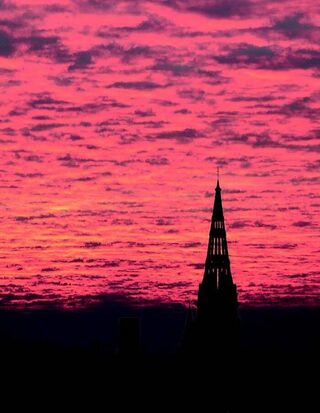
217 272
216 324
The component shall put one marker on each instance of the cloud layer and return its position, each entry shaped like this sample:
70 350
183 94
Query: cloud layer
114 117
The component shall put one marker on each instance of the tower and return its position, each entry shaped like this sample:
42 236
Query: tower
217 319
210 346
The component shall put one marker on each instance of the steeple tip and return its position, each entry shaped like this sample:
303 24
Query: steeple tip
218 184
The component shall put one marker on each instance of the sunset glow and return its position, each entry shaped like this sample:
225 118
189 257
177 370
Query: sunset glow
114 117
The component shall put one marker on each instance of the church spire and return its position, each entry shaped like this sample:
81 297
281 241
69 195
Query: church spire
217 266
214 331
217 213
217 279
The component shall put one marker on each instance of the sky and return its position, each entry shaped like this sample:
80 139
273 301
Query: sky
114 117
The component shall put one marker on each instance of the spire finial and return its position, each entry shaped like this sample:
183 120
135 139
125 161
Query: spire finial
218 176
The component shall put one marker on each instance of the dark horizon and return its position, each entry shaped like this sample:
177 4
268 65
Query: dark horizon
261 324
278 357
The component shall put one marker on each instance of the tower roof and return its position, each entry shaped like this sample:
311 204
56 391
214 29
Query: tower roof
217 214
217 267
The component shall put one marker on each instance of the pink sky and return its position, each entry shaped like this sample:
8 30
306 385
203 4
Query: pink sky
114 117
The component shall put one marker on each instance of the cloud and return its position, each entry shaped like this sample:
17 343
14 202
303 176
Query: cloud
73 162
137 85
33 158
164 102
135 52
192 94
8 131
299 107
182 136
50 47
49 269
157 161
62 80
191 244
238 224
285 246
45 101
176 68
243 224
74 137
84 179
197 266
92 244
126 54
300 275
256 140
301 224
152 24
303 106
313 166
7 5
292 27
305 180
124 221
56 8
6 45
34 217
46 126
244 54
178 103
218 9
270 58
295 26
37 43
144 113
260 224
83 60
92 5
105 264
183 111
163 222
170 285
262 98
30 175
224 8
11 23
263 140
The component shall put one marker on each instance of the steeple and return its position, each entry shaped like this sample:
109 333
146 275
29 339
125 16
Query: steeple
217 290
217 266
213 334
